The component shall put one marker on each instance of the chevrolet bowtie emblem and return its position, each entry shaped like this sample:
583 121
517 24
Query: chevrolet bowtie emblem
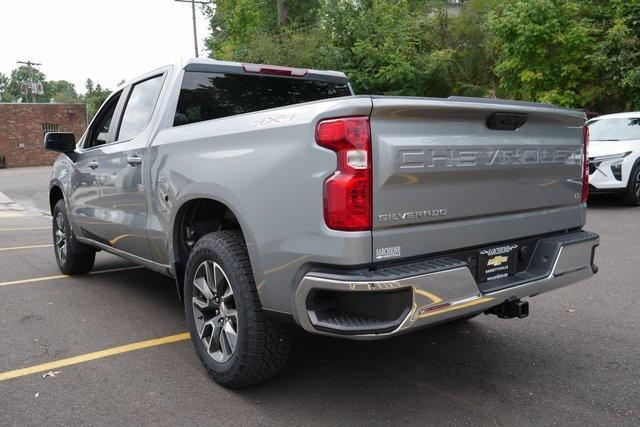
497 260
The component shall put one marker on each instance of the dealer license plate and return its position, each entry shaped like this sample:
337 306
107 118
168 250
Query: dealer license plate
497 263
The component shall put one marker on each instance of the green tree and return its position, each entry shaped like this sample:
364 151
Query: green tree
472 70
375 42
4 83
381 56
618 57
573 53
62 91
240 27
94 97
543 50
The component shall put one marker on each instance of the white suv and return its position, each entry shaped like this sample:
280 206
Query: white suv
614 152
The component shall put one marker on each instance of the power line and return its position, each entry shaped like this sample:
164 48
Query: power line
297 30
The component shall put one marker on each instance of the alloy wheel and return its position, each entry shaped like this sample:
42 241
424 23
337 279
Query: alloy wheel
214 311
60 237
638 186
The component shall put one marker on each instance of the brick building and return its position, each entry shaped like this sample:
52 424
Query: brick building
22 128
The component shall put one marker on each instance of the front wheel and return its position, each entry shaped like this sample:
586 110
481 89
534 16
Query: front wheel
72 256
237 344
631 196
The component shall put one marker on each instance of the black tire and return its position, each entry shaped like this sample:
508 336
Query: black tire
631 196
72 256
262 345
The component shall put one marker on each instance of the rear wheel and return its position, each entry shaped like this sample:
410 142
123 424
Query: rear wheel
631 196
237 344
72 256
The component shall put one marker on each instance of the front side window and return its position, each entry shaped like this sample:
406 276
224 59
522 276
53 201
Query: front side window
101 126
614 129
207 96
139 109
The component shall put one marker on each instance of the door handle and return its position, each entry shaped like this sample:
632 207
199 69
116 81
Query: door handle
93 164
134 160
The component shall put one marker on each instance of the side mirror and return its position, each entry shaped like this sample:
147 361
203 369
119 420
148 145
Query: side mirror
62 142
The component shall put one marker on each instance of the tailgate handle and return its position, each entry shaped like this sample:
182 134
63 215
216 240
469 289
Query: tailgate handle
506 121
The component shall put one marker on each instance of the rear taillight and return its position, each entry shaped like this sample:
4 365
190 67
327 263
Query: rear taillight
585 163
347 193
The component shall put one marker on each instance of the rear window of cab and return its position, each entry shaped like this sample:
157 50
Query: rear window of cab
208 96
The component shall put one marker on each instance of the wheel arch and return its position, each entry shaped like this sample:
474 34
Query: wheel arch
214 214
636 163
55 194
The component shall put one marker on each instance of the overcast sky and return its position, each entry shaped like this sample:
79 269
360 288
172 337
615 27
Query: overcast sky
105 40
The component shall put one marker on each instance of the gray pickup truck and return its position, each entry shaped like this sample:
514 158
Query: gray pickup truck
275 195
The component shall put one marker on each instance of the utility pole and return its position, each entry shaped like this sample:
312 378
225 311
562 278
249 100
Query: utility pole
283 12
30 65
193 13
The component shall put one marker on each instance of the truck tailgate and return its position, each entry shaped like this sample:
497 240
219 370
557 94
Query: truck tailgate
451 174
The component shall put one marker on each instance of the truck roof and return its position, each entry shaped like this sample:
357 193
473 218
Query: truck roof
214 65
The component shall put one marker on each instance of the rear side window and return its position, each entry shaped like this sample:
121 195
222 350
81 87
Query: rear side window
140 105
207 96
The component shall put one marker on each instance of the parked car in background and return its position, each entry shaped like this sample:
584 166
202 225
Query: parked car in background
614 150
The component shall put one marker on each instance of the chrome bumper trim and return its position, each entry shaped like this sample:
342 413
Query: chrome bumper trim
453 293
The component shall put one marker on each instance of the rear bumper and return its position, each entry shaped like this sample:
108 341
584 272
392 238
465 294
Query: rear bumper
611 190
399 299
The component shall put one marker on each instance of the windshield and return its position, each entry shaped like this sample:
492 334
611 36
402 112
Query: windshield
614 129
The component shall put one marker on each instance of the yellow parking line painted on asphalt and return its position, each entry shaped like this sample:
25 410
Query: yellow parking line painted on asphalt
16 248
93 356
64 276
25 228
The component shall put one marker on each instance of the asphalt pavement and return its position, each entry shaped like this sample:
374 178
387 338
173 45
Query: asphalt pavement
27 186
574 360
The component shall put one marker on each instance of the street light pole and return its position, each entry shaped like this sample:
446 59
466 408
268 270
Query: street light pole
193 13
